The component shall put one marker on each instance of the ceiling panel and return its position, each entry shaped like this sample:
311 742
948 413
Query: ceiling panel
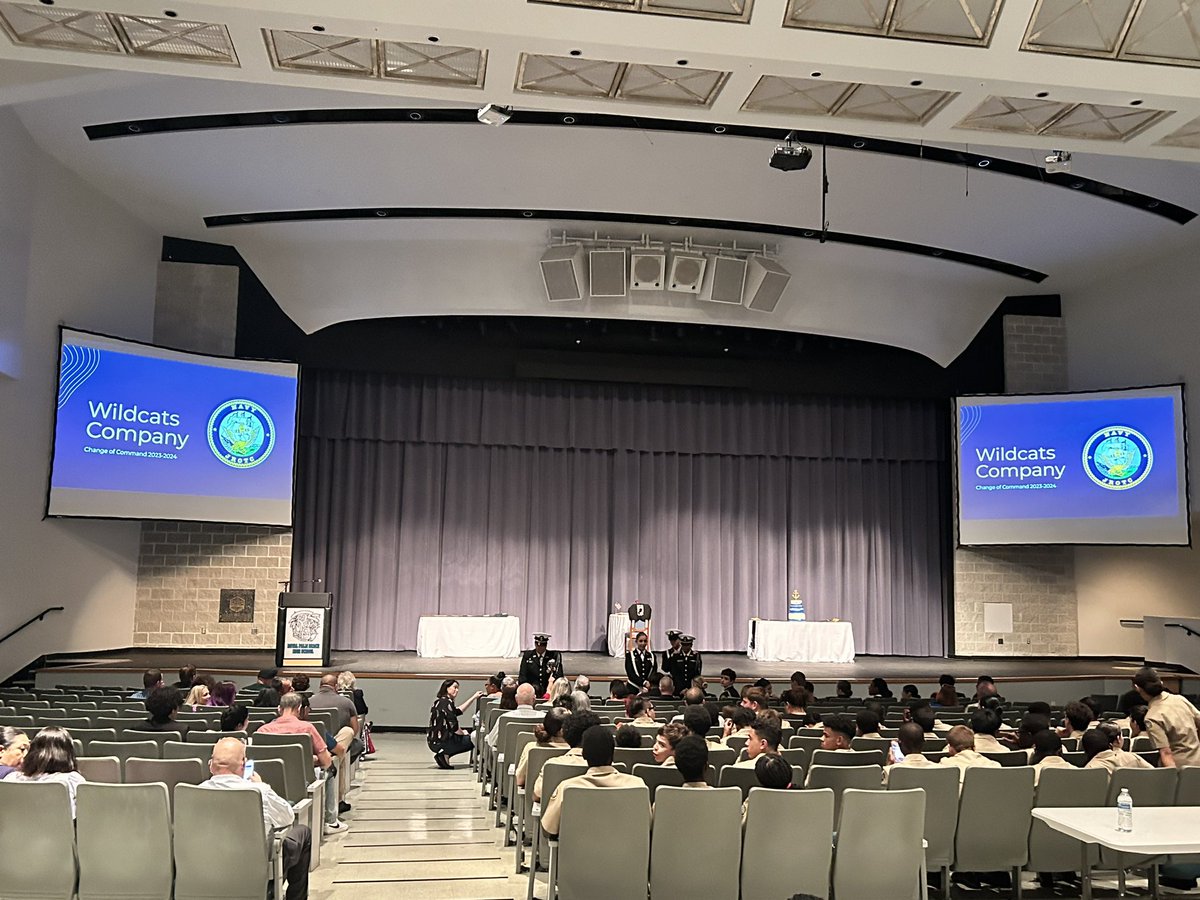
329 53
941 21
568 76
52 26
434 63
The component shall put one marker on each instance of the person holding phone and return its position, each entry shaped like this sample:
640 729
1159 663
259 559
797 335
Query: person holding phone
231 771
445 738
906 750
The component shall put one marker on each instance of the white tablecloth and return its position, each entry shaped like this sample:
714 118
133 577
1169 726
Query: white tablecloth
618 627
827 642
469 636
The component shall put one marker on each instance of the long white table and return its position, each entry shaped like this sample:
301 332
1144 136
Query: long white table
822 642
469 636
1156 830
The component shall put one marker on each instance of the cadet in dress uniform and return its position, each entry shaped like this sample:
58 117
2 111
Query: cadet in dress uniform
673 635
640 670
540 666
685 665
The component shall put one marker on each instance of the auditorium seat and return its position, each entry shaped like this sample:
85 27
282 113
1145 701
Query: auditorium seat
722 756
773 821
633 756
657 776
839 778
524 801
125 750
737 742
878 852
1051 850
741 777
269 740
167 771
1148 787
994 812
42 869
158 737
604 850
508 790
1008 758
246 856
211 737
676 869
17 721
123 838
940 785
299 780
186 750
99 769
848 758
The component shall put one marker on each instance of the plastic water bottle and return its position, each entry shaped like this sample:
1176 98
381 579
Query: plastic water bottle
1124 811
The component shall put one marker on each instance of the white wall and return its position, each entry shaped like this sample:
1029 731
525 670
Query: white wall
67 255
1141 328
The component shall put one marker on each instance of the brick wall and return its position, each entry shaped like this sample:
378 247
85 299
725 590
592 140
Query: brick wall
182 567
1039 582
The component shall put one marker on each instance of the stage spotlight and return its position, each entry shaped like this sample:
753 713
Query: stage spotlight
791 156
492 114
1058 161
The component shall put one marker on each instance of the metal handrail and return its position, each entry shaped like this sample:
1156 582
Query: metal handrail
37 618
1186 628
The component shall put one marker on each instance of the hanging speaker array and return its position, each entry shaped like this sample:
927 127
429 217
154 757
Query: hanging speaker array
611 269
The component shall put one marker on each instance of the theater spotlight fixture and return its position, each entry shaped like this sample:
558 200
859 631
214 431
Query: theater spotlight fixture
491 114
791 156
1058 161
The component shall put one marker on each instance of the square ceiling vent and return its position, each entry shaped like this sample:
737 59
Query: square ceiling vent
723 10
329 54
1152 31
1088 121
939 21
434 63
58 28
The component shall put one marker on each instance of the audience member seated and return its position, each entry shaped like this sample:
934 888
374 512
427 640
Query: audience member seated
525 697
1102 750
162 704
867 724
289 722
764 685
714 716
1031 726
691 759
559 688
909 692
50 757
224 694
1095 706
986 725
14 743
922 713
773 771
597 744
576 701
265 677
151 679
693 696
197 697
985 687
960 744
187 677
838 732
270 695
755 699
911 741
879 688
491 687
618 689
845 690
572 731
628 736
1077 719
508 696
227 767
345 724
799 680
1047 753
640 711
347 684
795 707
697 721
950 680
729 690
665 742
765 735
235 718
583 685
738 720
548 733
945 697
665 688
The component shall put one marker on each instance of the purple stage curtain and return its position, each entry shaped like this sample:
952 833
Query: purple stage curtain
554 501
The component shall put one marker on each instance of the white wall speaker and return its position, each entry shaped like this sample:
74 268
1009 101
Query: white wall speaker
765 283
725 280
563 272
687 273
647 270
606 273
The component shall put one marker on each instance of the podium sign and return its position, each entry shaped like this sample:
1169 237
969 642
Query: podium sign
302 633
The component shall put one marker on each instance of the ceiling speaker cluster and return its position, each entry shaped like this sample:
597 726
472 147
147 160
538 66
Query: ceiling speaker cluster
575 268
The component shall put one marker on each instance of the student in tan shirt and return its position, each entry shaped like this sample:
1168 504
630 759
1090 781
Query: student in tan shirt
547 734
960 744
765 735
572 731
666 741
1047 753
598 746
911 740
691 759
1099 752
986 725
1171 721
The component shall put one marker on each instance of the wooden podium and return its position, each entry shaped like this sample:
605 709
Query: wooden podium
302 631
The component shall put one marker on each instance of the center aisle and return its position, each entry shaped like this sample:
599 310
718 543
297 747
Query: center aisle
416 832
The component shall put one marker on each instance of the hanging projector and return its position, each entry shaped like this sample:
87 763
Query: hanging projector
791 156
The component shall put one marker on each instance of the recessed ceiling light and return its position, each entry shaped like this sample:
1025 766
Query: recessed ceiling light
681 62
815 75
858 145
576 53
527 214
568 120
984 163
170 13
281 118
916 82
433 39
719 129
318 28
415 116
1041 94
1135 102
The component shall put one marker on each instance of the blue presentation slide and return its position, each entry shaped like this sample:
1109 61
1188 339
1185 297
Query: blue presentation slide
1092 458
147 422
